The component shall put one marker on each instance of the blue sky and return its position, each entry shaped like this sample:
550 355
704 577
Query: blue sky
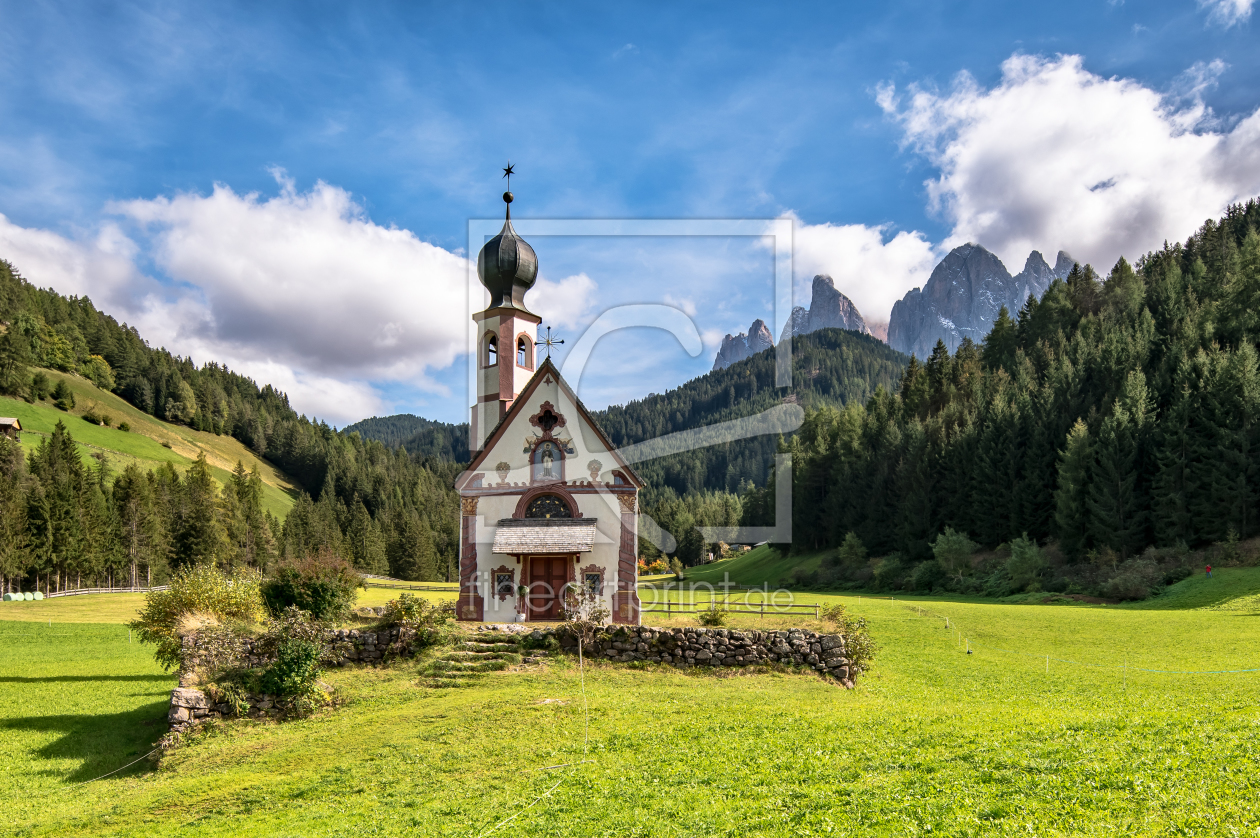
287 187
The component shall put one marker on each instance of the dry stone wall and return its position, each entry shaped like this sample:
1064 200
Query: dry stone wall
190 705
683 647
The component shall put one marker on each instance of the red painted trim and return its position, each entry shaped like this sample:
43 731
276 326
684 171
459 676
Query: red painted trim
529 350
507 372
549 368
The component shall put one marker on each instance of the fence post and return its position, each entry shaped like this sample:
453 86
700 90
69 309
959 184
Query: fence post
815 611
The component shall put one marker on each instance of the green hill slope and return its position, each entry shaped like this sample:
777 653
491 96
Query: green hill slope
150 441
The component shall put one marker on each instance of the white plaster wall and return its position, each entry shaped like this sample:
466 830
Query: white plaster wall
604 554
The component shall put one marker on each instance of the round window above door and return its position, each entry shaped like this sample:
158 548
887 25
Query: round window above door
548 506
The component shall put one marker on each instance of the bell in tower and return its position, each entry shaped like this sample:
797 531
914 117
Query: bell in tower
507 267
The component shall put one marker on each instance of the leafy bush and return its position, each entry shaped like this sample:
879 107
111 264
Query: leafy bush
199 590
889 571
322 584
432 622
1026 564
1136 579
294 674
106 419
858 645
953 552
124 427
928 575
715 615
90 417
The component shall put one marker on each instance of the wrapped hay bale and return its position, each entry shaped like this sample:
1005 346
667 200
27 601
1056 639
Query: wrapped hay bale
12 597
28 596
38 595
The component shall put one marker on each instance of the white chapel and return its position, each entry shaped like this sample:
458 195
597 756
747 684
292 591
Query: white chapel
546 502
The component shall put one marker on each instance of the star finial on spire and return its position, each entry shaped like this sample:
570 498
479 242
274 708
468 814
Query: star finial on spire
548 342
507 196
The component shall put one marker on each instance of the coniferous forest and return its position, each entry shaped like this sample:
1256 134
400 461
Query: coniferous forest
1115 420
1098 434
386 510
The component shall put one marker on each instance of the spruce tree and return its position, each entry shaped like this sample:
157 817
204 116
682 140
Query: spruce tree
1000 344
200 538
1071 517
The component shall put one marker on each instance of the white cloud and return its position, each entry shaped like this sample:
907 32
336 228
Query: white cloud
101 268
301 290
564 303
870 270
1227 12
1057 157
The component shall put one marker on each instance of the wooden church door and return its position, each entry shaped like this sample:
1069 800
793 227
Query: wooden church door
547 577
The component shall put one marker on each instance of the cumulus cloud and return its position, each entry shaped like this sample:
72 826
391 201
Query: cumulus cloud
301 290
1057 157
101 267
871 267
564 303
1227 12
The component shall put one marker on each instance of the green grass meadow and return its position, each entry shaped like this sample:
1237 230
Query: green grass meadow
933 741
146 443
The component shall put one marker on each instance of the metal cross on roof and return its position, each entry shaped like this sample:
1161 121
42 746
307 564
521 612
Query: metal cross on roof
548 342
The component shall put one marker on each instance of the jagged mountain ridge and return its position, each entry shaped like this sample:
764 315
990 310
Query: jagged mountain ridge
828 309
738 347
963 296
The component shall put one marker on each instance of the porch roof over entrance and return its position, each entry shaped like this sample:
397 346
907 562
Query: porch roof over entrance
544 536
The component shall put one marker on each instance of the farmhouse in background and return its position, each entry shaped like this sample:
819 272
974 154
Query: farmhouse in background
546 502
10 427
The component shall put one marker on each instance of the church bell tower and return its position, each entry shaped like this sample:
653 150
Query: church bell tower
507 267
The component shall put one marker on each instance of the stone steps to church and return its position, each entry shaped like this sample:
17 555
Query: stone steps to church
487 647
442 665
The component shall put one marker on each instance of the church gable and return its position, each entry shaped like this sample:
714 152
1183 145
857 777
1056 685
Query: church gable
546 436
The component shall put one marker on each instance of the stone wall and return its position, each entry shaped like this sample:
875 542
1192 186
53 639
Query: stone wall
698 646
681 647
190 705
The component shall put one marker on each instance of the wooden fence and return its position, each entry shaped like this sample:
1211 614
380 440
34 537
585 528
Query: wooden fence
128 590
760 608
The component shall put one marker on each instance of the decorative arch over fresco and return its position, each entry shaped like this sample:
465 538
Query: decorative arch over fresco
526 499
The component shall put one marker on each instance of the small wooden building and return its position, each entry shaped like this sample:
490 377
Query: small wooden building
10 426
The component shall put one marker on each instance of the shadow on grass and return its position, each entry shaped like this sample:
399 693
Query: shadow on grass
71 679
103 742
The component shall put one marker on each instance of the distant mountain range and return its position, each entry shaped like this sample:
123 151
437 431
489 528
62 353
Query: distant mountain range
963 296
828 309
830 367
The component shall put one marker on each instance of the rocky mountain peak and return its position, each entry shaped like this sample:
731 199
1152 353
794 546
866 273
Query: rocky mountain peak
828 308
963 296
738 347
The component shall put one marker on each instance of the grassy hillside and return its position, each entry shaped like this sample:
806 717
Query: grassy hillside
1053 726
146 443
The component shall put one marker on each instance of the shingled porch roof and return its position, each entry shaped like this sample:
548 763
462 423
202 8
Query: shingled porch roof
543 536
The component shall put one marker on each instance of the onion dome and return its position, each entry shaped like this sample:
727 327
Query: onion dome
507 265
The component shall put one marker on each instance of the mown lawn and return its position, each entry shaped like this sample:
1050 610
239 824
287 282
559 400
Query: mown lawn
932 742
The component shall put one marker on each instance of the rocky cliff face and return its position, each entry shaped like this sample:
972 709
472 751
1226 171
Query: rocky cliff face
738 347
963 296
828 308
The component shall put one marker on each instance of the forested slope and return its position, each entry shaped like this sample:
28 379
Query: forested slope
385 509
1118 417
